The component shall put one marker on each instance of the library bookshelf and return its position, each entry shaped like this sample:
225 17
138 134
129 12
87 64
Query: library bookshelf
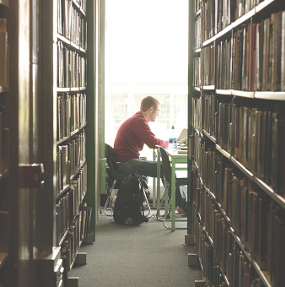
65 100
43 123
236 140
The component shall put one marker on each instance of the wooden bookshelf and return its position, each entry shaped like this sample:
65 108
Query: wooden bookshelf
237 129
70 103
65 98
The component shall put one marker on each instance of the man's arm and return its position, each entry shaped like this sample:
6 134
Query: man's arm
148 137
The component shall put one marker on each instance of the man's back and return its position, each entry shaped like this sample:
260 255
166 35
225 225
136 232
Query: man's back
131 137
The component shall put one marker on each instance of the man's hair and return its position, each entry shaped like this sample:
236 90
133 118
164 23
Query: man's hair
148 102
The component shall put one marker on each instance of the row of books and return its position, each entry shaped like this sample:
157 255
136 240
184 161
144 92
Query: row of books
197 113
224 71
72 68
223 263
196 72
78 188
255 137
71 23
251 218
78 29
76 234
244 6
197 34
216 15
259 55
81 4
248 61
252 135
70 157
4 142
71 113
209 114
207 74
196 5
204 251
64 216
4 54
68 205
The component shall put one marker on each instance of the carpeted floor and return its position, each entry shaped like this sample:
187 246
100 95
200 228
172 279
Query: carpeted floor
128 256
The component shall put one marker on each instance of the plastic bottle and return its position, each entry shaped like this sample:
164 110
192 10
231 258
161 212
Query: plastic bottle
172 138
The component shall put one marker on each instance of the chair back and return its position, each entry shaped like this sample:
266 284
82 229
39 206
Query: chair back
166 167
111 163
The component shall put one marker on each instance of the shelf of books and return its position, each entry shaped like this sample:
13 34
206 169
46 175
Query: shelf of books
72 213
237 145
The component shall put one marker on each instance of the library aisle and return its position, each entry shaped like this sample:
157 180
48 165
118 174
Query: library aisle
145 255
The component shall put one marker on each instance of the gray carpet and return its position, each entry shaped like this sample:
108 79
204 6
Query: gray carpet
145 255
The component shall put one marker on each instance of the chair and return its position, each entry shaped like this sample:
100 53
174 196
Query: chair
113 180
112 176
167 179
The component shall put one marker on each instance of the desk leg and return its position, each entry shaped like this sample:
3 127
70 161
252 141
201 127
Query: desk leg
154 183
158 183
173 190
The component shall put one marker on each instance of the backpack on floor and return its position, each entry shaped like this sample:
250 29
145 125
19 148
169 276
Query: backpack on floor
128 207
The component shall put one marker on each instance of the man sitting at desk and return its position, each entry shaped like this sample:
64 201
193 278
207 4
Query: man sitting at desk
130 139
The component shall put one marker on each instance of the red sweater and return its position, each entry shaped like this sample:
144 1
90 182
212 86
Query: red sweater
132 135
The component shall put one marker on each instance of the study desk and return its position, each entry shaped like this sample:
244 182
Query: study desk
178 163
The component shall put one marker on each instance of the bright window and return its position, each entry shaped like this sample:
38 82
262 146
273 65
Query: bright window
146 54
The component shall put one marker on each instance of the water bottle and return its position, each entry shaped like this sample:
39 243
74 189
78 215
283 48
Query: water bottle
172 138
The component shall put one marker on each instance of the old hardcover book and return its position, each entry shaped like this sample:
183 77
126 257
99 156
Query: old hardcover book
268 157
64 150
263 135
227 187
233 62
276 21
59 17
259 156
223 255
212 65
229 64
263 235
4 54
239 60
245 136
258 59
240 269
60 63
252 140
251 196
277 255
59 116
244 72
266 56
236 130
251 56
253 218
275 151
217 216
244 212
